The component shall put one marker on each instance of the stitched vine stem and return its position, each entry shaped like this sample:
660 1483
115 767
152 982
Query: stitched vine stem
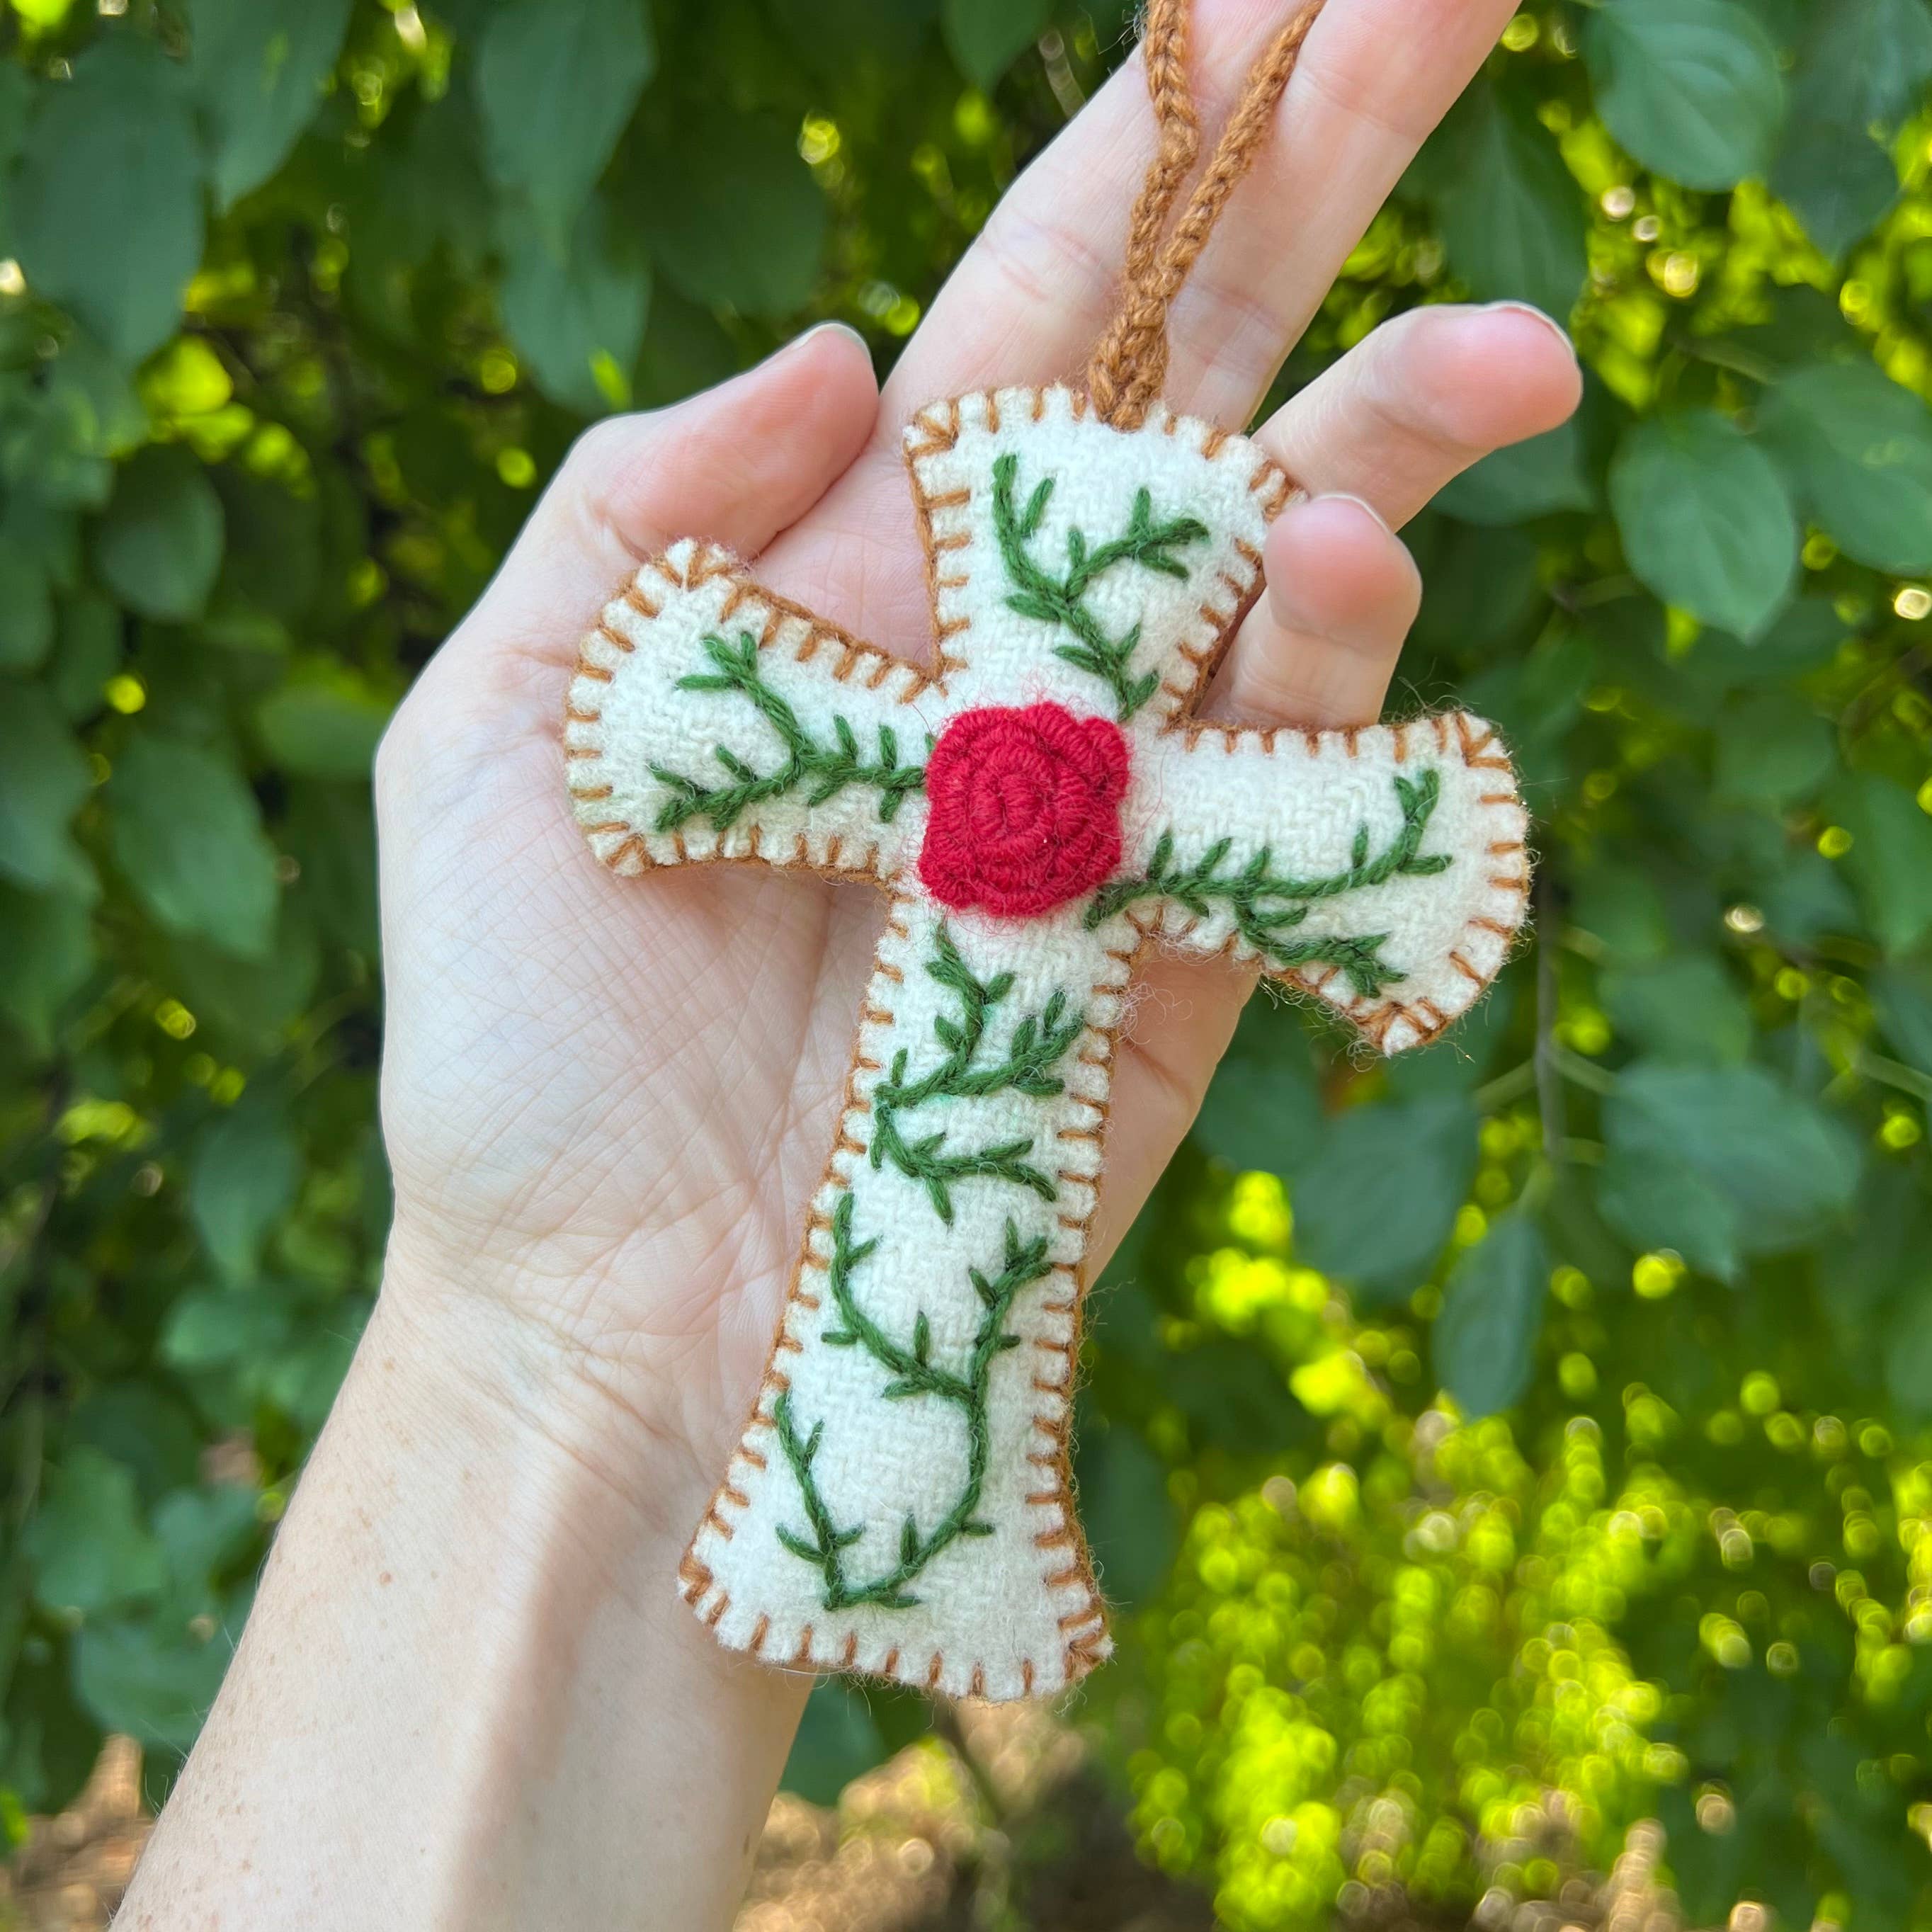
915 1373
1265 906
825 770
1060 600
1040 1041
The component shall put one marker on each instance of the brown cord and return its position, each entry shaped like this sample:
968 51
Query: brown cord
1129 362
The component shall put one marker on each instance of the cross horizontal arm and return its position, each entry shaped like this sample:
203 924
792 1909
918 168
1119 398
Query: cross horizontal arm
711 719
1385 869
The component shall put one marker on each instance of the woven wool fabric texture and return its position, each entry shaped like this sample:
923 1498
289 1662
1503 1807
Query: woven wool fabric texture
1040 805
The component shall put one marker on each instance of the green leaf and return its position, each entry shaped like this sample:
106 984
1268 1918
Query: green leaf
46 953
1904 1001
187 834
1485 1338
1857 449
1782 1164
89 1549
323 727
556 81
836 1741
1377 1203
44 775
1656 1203
986 37
1861 66
159 547
26 610
246 1168
1706 519
1908 1357
1261 1112
218 1328
1890 861
109 194
1691 88
1511 214
1535 478
578 314
1684 1009
733 216
1772 748
259 67
1125 1512
139 1680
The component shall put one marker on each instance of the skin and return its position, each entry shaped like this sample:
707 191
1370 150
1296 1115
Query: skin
468 1695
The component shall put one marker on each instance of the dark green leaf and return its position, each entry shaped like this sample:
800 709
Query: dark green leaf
1890 861
836 1741
578 314
556 81
152 1685
1772 748
1690 87
46 953
259 67
323 727
187 834
1857 449
89 1548
44 777
246 1169
733 216
1261 1110
1527 479
1781 1163
109 195
986 36
1485 1338
1685 1008
159 546
1511 214
1706 522
1376 1204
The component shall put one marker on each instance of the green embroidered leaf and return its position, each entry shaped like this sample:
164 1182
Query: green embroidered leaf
1691 88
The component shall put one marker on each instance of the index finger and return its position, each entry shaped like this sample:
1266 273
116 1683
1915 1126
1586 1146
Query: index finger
1032 294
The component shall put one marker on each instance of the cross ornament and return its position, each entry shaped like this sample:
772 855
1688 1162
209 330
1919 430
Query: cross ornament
1040 805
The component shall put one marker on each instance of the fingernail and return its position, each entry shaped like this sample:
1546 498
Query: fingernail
1361 503
1530 309
835 328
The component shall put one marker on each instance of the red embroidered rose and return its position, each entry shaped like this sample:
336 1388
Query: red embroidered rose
1024 809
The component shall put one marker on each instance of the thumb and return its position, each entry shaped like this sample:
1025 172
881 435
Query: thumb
737 464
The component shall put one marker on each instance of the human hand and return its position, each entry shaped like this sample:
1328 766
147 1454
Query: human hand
606 1102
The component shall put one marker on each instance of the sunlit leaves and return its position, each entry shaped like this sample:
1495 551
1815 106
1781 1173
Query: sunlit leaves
188 838
556 81
259 67
109 196
1707 522
1690 87
1857 449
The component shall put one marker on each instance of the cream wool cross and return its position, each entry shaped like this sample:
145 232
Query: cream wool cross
1040 805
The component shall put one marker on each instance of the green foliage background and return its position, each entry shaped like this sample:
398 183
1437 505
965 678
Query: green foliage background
303 300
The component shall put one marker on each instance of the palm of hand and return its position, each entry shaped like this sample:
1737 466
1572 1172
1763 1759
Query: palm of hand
605 1101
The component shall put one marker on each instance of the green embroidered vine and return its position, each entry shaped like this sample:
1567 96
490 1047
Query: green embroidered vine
1264 908
915 1373
1059 600
821 770
1039 1042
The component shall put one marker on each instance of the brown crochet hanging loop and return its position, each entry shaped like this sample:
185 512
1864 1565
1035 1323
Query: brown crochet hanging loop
1129 362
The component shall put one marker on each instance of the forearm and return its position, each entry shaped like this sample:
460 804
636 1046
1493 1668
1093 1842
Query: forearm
468 1695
